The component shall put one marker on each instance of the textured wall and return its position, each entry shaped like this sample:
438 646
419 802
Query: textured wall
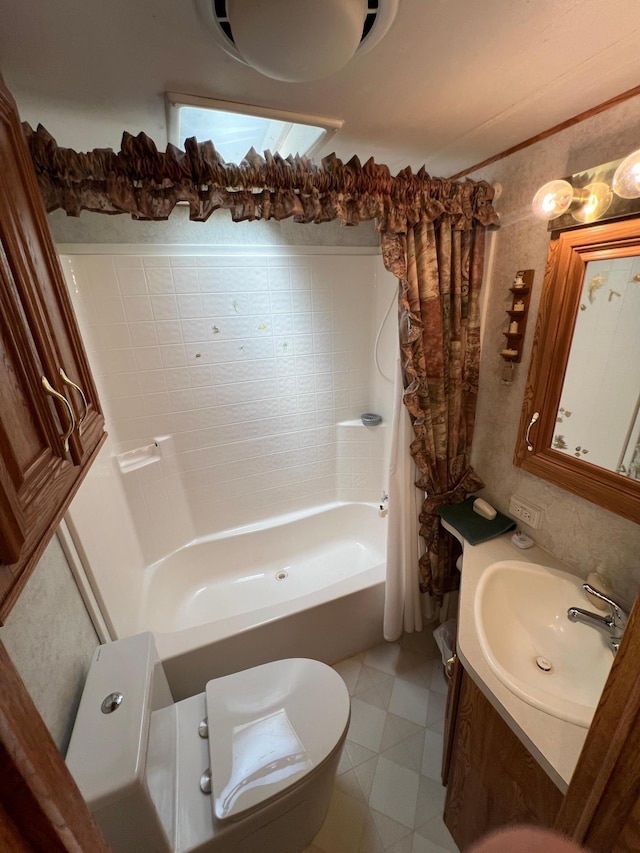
51 640
576 530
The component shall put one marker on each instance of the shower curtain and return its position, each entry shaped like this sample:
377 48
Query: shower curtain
402 603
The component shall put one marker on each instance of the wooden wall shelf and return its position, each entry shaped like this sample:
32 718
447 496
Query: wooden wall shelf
521 294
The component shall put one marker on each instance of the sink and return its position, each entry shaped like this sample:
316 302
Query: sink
553 664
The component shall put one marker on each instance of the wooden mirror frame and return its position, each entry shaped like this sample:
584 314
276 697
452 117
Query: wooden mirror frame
569 252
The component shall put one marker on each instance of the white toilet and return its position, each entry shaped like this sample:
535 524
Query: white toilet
264 742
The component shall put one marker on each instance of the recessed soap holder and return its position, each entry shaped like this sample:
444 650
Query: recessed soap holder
371 419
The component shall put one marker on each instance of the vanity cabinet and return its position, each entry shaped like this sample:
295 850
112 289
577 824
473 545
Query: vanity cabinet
51 425
492 779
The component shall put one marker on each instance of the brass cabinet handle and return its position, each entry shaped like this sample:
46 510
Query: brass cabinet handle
77 388
449 665
532 422
72 419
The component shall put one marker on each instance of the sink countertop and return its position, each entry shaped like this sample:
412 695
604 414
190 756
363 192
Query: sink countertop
554 743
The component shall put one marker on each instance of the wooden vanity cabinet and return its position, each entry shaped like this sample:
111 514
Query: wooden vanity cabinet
492 779
40 466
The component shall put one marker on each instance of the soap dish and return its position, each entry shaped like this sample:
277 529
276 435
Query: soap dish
371 419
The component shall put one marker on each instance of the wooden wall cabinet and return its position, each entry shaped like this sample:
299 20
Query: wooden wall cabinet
492 779
48 438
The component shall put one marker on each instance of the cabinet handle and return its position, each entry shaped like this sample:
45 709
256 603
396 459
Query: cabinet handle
77 388
72 420
449 665
532 422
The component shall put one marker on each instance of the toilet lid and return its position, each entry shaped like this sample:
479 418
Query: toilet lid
270 726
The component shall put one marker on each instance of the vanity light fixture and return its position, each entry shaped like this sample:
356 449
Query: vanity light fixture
597 194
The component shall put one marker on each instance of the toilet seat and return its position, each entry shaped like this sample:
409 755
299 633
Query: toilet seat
269 727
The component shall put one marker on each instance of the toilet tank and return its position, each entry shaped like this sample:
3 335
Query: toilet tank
128 790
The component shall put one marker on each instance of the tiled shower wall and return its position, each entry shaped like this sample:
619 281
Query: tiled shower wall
256 366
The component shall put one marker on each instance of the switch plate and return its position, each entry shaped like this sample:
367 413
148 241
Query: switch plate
527 513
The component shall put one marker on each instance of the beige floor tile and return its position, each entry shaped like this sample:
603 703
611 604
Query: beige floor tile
394 792
409 701
349 670
345 762
437 708
370 841
370 677
365 774
390 830
384 657
342 830
405 845
367 724
397 729
438 680
424 845
434 830
408 753
421 675
380 695
432 755
358 754
430 803
421 641
349 784
437 727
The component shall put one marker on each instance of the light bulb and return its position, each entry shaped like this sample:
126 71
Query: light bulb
598 198
552 200
626 179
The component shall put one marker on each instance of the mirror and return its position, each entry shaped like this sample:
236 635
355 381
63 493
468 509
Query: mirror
580 426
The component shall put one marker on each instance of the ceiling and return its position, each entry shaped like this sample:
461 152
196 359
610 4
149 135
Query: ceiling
452 83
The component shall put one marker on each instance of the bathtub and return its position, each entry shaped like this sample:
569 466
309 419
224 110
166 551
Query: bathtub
306 584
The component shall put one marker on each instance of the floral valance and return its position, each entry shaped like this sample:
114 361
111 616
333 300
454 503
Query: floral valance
147 184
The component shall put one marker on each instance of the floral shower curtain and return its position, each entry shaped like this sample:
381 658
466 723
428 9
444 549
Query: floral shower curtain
432 233
439 264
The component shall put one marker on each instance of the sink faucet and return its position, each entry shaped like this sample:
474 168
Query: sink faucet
613 625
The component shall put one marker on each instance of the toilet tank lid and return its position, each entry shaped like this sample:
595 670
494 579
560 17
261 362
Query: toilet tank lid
270 726
107 751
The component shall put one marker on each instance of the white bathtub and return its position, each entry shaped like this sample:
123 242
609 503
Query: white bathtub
308 584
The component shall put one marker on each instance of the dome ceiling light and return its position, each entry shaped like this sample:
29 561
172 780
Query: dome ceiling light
297 40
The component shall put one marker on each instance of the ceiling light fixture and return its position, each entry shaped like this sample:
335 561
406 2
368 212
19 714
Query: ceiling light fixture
297 40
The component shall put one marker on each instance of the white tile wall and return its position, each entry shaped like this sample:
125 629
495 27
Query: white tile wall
256 366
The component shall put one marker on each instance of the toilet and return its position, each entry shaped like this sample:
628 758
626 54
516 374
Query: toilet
245 767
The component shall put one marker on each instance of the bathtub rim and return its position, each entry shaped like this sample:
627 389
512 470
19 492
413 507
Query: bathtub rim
267 523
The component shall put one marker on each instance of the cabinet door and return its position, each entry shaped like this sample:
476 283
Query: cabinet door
494 780
37 274
453 671
43 452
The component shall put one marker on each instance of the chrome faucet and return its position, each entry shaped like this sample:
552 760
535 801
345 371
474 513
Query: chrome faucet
613 625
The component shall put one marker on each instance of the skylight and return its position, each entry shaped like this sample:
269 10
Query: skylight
235 128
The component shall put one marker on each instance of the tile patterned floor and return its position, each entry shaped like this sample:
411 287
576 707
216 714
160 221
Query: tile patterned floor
388 795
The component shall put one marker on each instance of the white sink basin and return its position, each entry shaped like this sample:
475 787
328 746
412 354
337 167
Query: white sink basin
553 664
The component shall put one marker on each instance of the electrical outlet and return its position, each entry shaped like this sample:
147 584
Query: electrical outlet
526 512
